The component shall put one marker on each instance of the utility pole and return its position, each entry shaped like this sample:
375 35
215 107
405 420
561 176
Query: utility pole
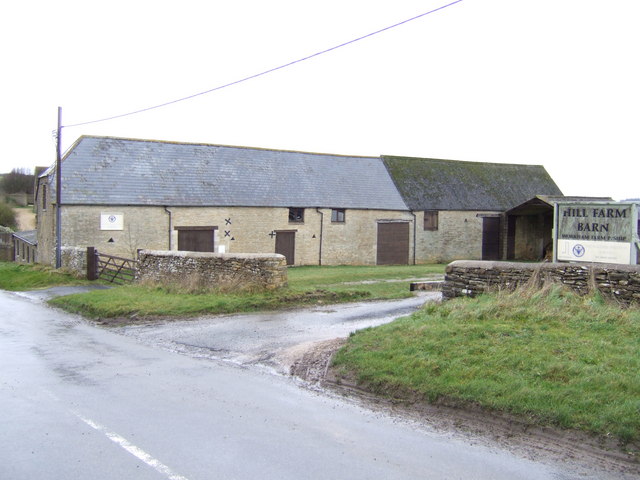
58 190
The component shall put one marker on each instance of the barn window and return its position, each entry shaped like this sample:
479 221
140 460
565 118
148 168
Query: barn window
431 220
337 215
44 197
296 215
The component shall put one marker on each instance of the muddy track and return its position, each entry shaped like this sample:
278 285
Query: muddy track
585 453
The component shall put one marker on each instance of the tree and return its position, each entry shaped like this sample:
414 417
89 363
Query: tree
8 217
18 181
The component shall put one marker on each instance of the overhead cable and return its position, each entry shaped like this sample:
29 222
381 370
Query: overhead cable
265 72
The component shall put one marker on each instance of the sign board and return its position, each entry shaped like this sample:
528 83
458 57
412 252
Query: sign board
111 221
596 232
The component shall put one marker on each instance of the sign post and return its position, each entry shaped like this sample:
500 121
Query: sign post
604 232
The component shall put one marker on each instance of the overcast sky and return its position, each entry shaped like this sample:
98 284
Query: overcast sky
551 82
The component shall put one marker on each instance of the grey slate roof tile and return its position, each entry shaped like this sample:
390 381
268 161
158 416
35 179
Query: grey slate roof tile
29 236
116 171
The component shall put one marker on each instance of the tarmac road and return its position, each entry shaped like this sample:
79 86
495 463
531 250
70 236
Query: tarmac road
77 401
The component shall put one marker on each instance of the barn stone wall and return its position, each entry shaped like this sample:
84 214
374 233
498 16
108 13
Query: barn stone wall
45 223
6 247
228 272
469 278
459 236
239 230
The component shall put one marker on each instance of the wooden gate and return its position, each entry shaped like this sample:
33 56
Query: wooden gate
393 243
109 267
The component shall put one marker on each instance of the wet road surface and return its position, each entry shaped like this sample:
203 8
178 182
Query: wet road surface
272 340
77 401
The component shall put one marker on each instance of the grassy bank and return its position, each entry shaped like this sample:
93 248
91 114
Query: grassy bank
18 277
549 356
307 286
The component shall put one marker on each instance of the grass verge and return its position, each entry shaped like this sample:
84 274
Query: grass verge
16 277
550 357
139 301
307 285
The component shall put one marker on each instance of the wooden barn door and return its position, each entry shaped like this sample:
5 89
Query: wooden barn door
393 244
491 238
196 239
286 245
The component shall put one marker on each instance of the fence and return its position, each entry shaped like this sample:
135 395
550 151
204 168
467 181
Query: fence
109 267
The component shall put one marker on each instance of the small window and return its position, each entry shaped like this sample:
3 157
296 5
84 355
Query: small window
337 215
44 197
296 215
431 220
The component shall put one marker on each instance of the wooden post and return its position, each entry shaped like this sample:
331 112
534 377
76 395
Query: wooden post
92 271
59 191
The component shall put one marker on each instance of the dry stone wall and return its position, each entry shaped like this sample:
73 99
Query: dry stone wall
74 259
459 236
227 272
470 278
6 247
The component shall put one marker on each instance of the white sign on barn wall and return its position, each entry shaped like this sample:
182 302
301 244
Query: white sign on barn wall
111 221
596 232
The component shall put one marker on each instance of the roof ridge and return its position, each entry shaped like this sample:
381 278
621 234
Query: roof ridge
170 173
445 160
240 147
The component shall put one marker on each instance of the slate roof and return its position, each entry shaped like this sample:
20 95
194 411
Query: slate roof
117 171
29 236
432 184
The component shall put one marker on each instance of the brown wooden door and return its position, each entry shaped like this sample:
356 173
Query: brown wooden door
286 245
393 244
491 238
511 236
196 240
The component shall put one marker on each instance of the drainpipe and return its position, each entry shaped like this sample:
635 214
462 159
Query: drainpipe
321 225
414 236
166 209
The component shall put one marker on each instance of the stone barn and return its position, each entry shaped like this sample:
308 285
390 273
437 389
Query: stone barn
122 195
459 206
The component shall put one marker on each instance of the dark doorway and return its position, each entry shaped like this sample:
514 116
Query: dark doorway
491 238
196 239
393 244
286 245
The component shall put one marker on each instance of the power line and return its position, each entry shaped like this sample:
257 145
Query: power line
265 72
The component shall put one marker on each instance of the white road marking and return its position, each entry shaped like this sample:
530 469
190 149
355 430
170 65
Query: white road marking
132 449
